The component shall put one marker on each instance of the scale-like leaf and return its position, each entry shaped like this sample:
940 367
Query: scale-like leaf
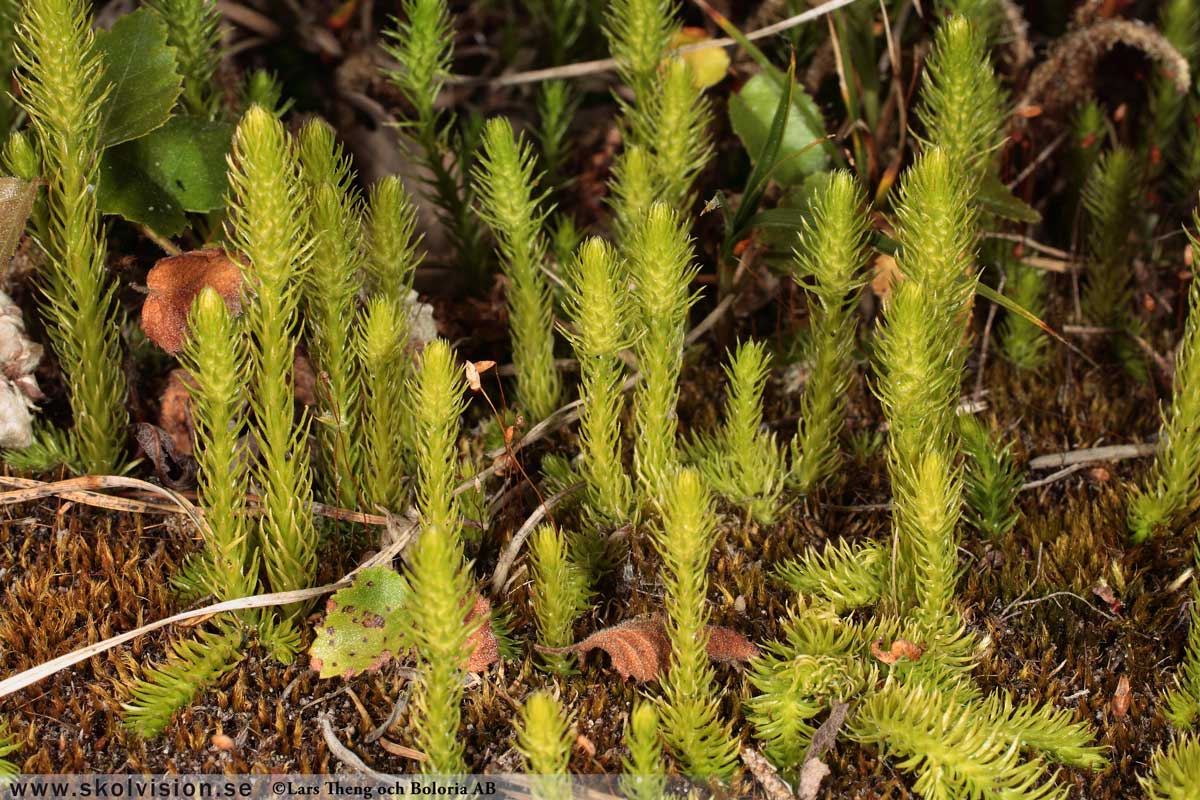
143 75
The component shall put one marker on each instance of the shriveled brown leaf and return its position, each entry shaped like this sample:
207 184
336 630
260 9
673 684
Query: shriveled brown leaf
1105 593
640 650
175 411
1121 698
173 285
901 648
766 775
474 369
485 650
173 469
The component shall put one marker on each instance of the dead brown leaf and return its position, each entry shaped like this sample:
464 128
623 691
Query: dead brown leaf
639 648
901 648
173 285
176 470
474 369
485 650
886 275
1121 698
175 411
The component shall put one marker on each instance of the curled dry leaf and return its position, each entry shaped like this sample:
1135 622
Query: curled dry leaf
640 650
1121 698
485 650
175 411
173 469
474 369
901 648
173 285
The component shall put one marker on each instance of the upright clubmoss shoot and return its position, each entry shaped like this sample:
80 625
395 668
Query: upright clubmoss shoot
556 109
828 265
1110 197
384 363
194 31
962 105
438 575
511 206
438 402
330 289
1179 23
634 187
1022 342
674 124
661 268
1170 488
1175 771
215 357
392 243
991 479
639 32
269 226
742 462
560 593
422 43
544 738
597 305
920 349
703 744
61 75
644 776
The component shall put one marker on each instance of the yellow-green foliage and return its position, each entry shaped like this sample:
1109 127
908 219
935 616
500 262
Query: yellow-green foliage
438 575
60 71
381 339
544 738
742 462
194 31
1175 772
644 775
831 254
215 357
511 206
634 188
560 593
268 225
391 241
639 33
704 745
9 744
1111 197
662 269
331 286
674 124
846 576
1170 488
597 304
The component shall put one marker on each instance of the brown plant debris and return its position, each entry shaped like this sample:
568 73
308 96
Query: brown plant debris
173 285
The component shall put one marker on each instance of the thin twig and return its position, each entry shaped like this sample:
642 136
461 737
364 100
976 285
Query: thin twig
600 66
1041 158
346 755
1112 452
505 562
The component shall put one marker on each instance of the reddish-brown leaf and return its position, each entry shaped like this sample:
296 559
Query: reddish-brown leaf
485 651
901 648
1121 698
175 411
640 650
173 285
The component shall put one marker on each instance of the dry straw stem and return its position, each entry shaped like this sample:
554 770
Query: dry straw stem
1066 75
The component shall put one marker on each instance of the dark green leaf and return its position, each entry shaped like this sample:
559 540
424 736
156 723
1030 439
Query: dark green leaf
362 628
155 179
16 202
753 113
998 199
143 74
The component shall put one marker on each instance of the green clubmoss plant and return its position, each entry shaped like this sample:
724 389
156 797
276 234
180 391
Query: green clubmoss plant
60 71
830 257
742 462
332 283
846 576
385 436
1174 772
191 664
689 707
422 43
1022 342
9 14
991 479
1179 23
559 593
639 32
269 226
920 348
644 776
597 305
438 574
544 739
556 106
392 243
661 266
1170 488
9 744
215 357
1111 197
634 186
511 206
962 105
437 403
1182 702
563 21
193 30
674 126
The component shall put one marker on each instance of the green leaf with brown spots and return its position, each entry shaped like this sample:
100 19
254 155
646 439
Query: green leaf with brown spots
361 631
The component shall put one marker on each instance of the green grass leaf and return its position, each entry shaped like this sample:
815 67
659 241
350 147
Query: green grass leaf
143 74
362 629
176 168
